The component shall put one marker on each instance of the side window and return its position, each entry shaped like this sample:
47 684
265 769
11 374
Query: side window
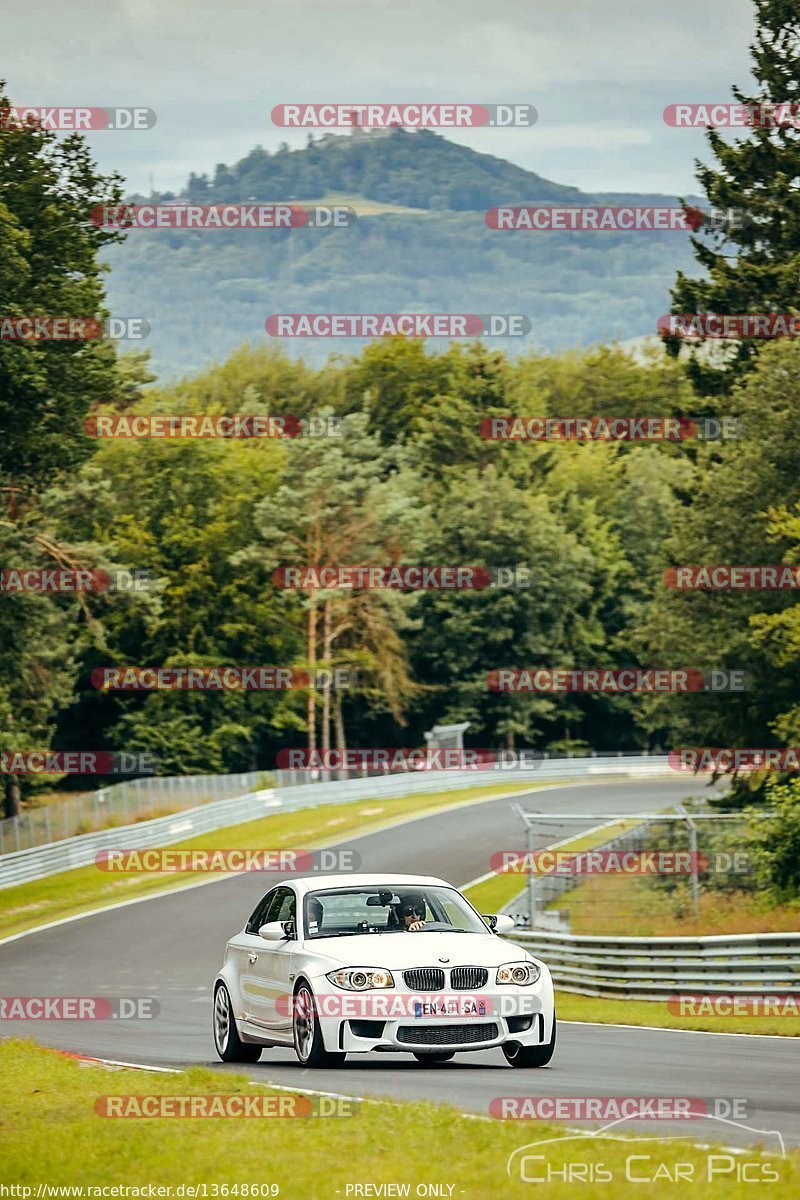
259 916
282 907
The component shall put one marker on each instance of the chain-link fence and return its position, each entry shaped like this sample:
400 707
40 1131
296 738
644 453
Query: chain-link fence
68 815
648 873
121 804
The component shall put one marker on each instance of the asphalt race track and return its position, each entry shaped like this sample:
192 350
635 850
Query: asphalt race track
171 947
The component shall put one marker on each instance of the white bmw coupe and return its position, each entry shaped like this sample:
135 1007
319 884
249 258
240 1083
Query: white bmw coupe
344 964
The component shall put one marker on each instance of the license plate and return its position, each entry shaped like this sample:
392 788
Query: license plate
449 1008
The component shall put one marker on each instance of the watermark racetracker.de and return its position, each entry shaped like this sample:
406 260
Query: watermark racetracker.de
38 328
416 114
606 429
75 580
615 680
79 1008
406 324
231 861
22 118
221 216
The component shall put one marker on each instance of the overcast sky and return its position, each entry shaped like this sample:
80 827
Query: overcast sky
600 73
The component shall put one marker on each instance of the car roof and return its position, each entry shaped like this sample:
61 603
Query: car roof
314 883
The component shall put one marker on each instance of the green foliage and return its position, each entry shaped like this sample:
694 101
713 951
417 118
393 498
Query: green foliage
756 269
725 518
775 842
205 295
419 169
49 267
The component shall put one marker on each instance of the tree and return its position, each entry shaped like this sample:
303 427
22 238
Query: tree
341 502
756 176
48 267
739 513
180 511
776 842
49 251
486 520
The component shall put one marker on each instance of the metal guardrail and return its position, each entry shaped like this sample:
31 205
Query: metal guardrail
38 862
151 796
638 968
138 800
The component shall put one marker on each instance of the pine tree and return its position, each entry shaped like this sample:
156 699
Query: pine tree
49 252
758 176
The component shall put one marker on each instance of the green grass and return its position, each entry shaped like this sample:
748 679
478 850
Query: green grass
609 904
30 904
364 207
50 1133
572 1007
493 894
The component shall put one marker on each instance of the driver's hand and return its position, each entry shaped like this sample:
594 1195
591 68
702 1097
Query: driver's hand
417 925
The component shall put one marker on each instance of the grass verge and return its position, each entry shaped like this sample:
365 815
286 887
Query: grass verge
365 207
611 904
51 1134
30 904
494 893
573 1007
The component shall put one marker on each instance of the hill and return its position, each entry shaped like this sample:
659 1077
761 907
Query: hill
420 244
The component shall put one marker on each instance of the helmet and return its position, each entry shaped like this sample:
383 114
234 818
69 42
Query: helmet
314 910
411 900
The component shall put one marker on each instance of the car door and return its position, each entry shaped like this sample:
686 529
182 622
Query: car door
241 949
267 988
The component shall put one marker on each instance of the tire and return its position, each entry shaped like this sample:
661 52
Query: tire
230 1046
307 1034
530 1056
445 1056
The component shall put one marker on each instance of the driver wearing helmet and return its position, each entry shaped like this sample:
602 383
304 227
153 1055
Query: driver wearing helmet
314 914
410 912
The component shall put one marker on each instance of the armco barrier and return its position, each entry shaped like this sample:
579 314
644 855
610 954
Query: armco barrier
638 968
25 866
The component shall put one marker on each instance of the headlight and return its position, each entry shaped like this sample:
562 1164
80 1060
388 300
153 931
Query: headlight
361 979
519 973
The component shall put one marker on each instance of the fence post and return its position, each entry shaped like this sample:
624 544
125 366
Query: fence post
531 876
693 853
693 859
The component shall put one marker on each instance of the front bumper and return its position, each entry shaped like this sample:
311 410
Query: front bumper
525 1017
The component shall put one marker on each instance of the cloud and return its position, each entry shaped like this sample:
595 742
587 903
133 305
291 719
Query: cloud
599 71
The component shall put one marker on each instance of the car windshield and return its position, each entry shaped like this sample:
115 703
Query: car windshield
387 908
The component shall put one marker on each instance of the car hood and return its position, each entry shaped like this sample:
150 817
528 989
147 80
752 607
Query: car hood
419 949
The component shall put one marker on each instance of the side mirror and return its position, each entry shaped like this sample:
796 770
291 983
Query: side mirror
273 932
500 923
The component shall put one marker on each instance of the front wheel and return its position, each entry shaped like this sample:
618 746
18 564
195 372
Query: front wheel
435 1058
230 1046
531 1056
308 1044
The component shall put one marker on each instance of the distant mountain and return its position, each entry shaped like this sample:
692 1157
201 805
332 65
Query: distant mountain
420 244
418 170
